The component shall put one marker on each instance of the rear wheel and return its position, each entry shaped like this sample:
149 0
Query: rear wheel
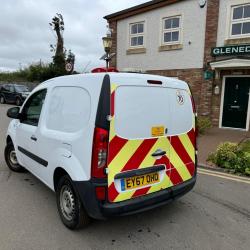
18 101
2 100
11 159
72 213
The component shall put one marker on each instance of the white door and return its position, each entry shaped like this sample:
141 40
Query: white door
27 139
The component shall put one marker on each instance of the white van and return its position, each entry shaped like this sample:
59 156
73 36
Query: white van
107 144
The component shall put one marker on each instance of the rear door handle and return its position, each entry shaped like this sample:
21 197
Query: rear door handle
33 138
159 152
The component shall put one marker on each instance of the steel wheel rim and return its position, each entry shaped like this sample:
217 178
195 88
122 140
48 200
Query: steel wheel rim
13 158
67 202
1 100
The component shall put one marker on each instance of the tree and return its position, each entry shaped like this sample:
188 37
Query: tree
39 72
59 59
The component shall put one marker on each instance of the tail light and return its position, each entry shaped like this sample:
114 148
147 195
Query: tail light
193 104
99 153
196 127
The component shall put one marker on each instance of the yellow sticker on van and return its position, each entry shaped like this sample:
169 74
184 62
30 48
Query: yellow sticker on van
157 131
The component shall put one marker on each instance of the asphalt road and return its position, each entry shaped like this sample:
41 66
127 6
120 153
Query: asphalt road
214 215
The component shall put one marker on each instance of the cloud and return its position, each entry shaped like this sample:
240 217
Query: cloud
25 34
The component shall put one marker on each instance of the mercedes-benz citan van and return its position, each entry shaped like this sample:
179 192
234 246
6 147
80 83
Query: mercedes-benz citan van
108 144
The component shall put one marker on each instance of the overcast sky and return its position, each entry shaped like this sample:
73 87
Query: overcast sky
25 34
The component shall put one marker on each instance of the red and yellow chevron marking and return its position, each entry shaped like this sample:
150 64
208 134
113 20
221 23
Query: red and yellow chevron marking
125 155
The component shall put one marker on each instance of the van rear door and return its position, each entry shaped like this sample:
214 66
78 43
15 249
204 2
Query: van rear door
138 160
182 135
147 139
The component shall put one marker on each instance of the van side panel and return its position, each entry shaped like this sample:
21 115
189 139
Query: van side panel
68 145
126 154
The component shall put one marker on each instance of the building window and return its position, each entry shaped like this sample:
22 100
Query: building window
171 30
240 21
137 34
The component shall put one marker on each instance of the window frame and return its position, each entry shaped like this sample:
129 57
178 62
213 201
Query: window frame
237 21
23 120
137 35
179 29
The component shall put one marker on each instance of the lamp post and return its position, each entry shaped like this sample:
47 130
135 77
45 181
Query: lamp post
107 44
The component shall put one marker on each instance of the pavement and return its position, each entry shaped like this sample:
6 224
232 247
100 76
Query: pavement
214 215
208 143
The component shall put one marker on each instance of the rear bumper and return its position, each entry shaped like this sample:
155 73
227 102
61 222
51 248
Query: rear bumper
101 210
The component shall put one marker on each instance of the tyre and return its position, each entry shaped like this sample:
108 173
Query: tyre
71 211
18 101
11 159
2 100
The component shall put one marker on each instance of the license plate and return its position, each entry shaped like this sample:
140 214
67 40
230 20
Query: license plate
139 181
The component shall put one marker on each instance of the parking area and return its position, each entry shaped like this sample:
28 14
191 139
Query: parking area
214 215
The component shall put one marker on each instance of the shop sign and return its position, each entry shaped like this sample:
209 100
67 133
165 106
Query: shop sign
231 50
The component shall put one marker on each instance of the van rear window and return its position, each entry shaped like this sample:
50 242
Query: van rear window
138 109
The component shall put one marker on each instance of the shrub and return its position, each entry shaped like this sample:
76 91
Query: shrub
231 156
40 72
203 123
36 72
245 146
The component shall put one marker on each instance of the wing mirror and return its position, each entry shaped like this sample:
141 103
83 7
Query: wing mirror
14 113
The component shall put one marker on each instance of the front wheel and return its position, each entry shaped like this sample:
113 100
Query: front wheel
2 100
71 211
11 159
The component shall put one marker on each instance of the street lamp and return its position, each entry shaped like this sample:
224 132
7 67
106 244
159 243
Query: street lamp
107 44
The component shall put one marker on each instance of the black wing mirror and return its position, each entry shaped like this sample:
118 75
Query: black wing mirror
14 113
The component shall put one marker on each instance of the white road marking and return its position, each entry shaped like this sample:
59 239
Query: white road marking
224 176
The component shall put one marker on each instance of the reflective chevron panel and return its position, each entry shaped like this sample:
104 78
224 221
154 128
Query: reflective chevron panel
126 155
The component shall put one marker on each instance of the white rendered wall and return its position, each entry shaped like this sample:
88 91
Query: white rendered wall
224 19
193 30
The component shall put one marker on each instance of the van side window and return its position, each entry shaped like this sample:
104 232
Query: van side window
68 109
33 107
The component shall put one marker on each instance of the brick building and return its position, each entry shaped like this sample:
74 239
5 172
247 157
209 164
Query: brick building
206 43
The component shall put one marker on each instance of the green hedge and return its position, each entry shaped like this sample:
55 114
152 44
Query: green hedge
38 72
232 156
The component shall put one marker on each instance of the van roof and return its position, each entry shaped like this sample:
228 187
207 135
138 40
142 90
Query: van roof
117 78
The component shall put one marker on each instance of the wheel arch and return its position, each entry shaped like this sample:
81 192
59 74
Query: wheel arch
58 173
8 139
18 96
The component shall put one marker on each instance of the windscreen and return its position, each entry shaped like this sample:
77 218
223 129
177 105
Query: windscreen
141 110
